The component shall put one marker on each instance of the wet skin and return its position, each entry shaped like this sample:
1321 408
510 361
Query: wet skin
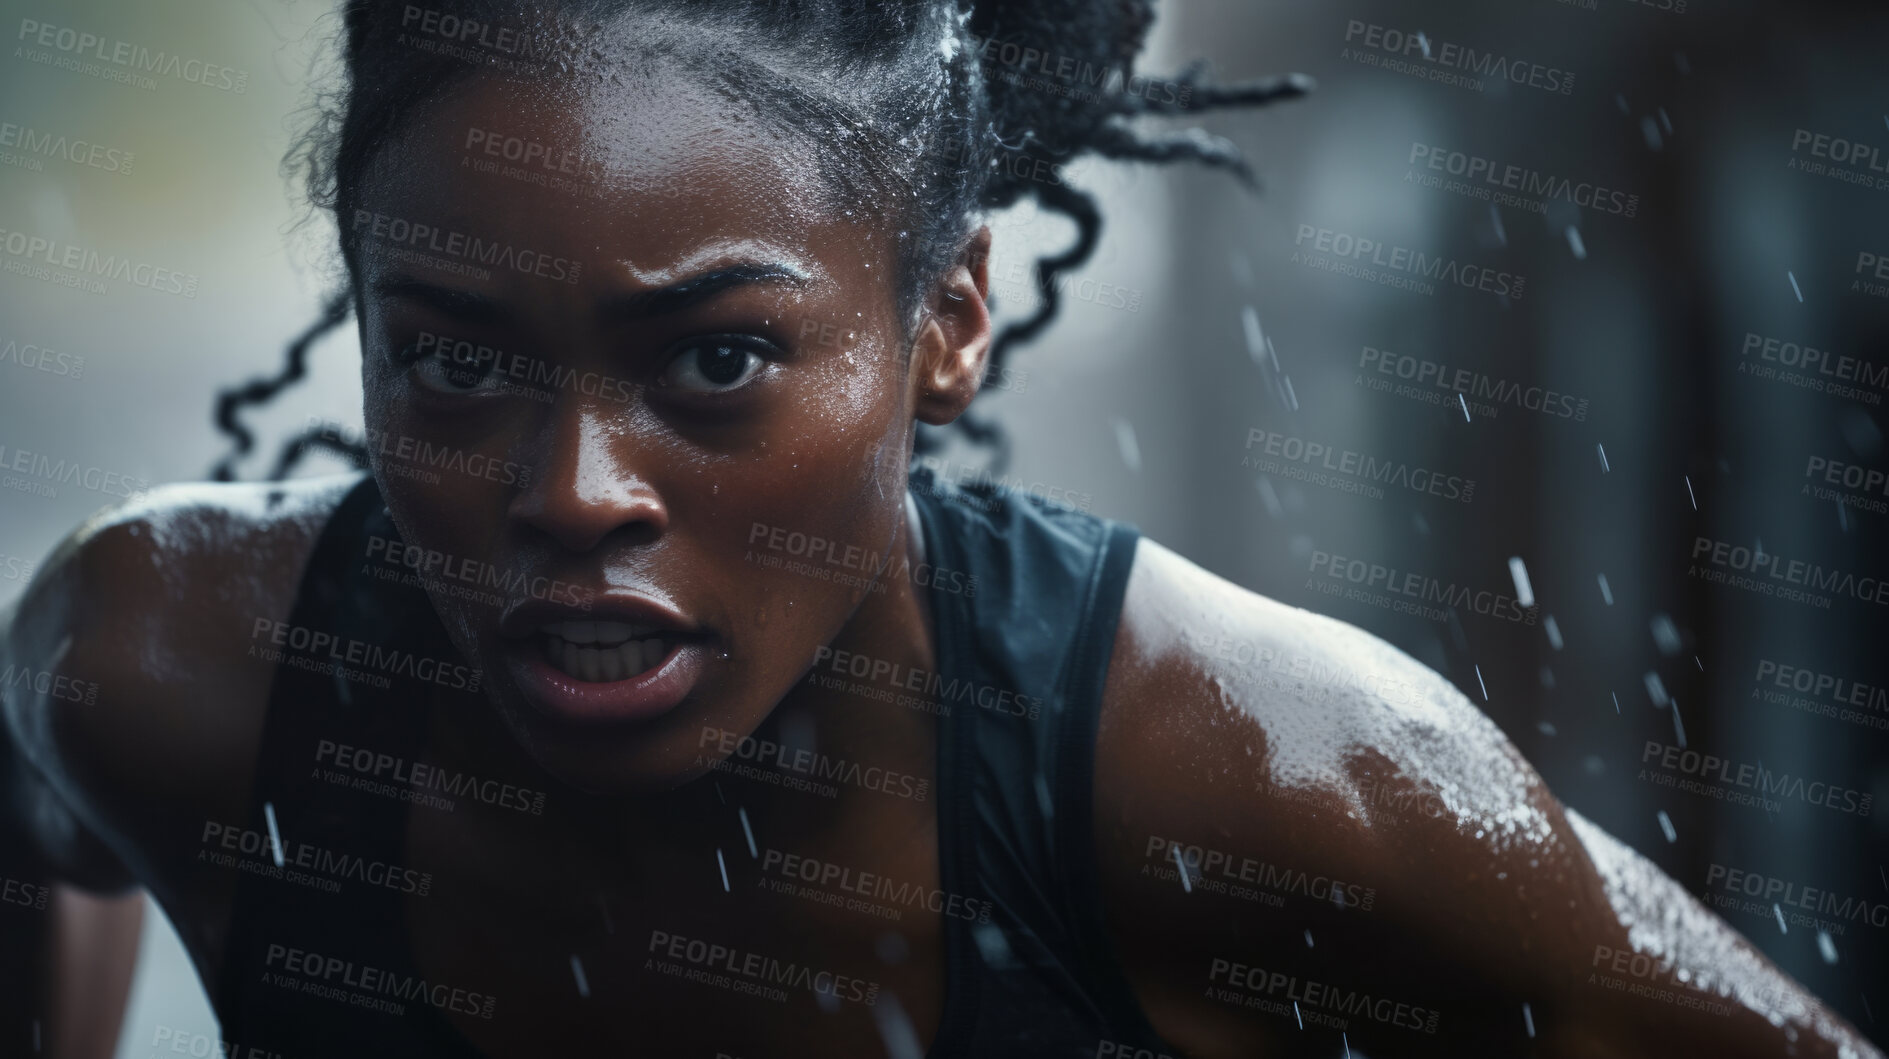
1486 894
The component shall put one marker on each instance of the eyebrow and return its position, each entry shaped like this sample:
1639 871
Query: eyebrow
639 305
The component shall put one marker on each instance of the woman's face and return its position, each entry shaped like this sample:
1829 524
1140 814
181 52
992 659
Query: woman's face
625 357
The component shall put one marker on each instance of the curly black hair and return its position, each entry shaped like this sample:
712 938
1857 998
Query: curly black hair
942 109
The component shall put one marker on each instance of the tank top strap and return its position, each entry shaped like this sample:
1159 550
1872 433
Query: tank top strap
315 961
1026 595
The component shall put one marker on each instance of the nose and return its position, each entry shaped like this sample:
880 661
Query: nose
588 486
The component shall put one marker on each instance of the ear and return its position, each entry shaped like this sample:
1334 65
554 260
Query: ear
953 345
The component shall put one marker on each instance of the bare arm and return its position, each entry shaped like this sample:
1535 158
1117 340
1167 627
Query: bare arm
94 952
1369 860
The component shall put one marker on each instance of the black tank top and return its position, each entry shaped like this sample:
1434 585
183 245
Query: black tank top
1025 596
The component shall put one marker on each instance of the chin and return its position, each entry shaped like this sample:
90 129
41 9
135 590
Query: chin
638 757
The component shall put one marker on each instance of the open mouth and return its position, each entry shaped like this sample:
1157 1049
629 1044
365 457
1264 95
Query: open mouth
604 651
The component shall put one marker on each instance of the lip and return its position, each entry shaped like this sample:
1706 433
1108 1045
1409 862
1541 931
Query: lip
645 696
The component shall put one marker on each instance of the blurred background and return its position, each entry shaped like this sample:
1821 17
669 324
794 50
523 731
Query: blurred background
1578 296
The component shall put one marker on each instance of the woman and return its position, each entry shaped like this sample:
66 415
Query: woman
643 701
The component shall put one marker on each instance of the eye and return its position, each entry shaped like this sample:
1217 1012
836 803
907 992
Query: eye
451 367
714 364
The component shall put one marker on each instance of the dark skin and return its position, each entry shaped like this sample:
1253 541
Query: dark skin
1486 895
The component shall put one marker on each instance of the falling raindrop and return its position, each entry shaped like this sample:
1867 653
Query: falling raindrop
1308 934
1606 590
1795 289
1479 682
1656 689
1666 825
901 1040
1269 496
1779 912
1665 634
1575 243
1826 947
1602 453
577 972
1461 400
1690 495
1187 884
749 832
1125 440
1553 629
1518 572
1528 1017
275 837
723 865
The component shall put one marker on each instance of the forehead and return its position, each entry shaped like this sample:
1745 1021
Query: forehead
638 169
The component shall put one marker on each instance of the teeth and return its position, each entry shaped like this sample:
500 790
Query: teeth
603 633
603 663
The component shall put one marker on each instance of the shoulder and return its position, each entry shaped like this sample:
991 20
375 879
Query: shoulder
128 680
1294 819
1278 793
1298 706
